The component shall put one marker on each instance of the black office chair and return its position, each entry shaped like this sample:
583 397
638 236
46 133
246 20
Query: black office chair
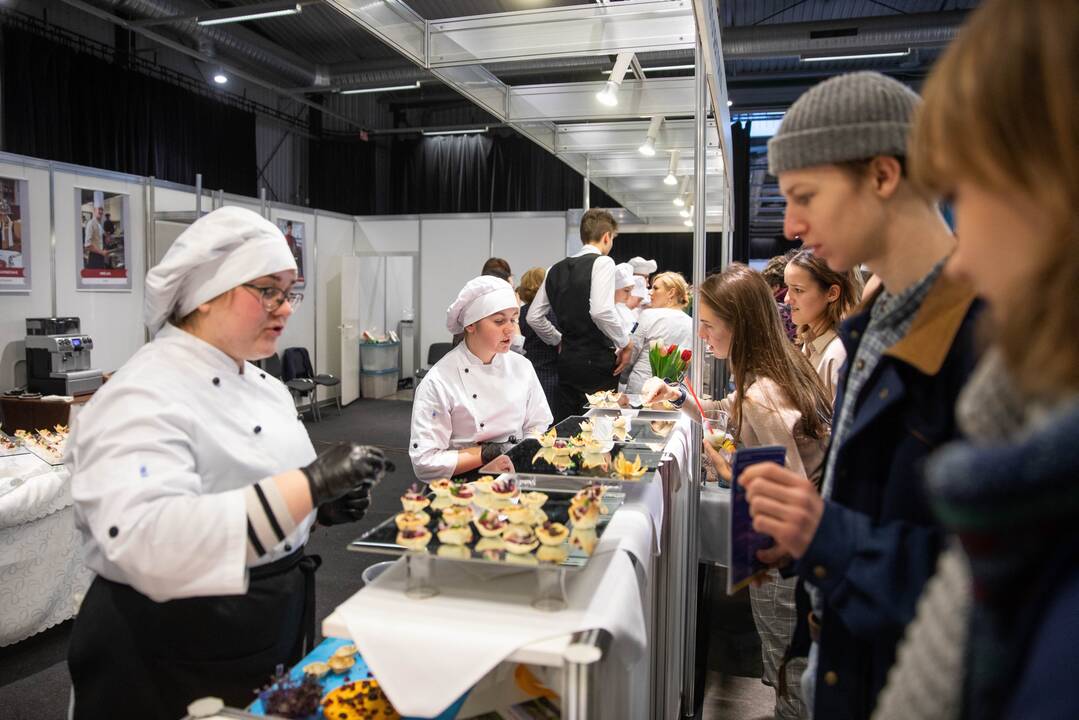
435 352
289 371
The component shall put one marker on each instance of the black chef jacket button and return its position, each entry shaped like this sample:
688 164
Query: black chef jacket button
262 375
474 396
288 548
217 381
481 424
466 369
114 531
415 445
258 429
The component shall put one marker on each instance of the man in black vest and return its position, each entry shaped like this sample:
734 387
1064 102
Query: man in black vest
593 346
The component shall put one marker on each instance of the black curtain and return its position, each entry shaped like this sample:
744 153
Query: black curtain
69 106
498 171
672 251
740 251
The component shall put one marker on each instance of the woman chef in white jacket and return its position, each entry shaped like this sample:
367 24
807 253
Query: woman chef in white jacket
479 399
195 487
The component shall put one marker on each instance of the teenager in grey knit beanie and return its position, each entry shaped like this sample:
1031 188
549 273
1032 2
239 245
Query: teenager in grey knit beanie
848 117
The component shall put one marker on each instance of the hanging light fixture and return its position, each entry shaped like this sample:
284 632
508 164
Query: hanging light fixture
671 178
680 198
687 211
609 94
648 147
220 77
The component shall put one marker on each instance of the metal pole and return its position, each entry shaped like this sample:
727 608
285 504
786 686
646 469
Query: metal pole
587 182
52 237
693 499
262 202
150 243
198 195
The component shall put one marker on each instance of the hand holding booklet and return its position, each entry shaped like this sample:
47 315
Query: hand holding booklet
742 563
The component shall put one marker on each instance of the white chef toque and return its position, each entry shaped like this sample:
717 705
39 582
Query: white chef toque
479 298
623 276
642 266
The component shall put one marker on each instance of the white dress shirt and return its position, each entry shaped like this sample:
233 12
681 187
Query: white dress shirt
160 458
666 325
462 402
600 304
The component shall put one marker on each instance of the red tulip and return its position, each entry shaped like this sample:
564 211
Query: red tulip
686 355
671 349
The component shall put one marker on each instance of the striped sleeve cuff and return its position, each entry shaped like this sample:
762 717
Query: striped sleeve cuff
268 520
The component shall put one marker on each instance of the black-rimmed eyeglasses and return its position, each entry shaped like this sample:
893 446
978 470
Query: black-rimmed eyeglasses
273 298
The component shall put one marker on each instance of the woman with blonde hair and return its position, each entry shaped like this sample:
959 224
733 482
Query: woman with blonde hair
778 400
996 634
819 299
664 321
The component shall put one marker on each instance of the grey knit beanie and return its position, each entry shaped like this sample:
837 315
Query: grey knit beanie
847 117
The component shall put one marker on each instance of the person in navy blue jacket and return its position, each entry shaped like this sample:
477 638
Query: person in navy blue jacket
865 546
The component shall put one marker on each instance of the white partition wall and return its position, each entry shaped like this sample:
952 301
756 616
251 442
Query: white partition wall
300 330
16 307
452 252
333 241
112 318
530 241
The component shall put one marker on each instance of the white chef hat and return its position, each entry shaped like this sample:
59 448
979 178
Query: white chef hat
623 276
640 289
479 298
642 266
221 250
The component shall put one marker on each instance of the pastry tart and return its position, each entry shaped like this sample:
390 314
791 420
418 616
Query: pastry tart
534 499
411 520
455 534
505 490
519 539
518 514
318 669
414 500
414 539
490 525
457 515
553 554
360 700
584 539
585 515
552 533
483 484
441 487
341 664
461 494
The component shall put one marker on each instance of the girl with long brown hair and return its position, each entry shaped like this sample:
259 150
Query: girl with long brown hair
819 299
778 400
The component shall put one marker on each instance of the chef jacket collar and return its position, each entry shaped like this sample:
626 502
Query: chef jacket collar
217 359
473 360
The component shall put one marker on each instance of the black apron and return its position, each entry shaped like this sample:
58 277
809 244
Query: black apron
131 657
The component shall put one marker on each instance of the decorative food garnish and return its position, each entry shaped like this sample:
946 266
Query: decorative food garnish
289 698
461 494
413 500
411 520
548 438
625 468
362 699
504 488
490 524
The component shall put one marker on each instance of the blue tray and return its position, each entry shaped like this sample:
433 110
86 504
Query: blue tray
322 652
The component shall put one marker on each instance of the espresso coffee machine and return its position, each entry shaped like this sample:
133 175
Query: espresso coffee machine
58 357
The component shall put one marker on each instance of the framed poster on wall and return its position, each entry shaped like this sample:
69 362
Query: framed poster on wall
103 255
297 242
14 236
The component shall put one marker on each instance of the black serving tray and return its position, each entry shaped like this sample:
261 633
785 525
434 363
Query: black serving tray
527 467
650 434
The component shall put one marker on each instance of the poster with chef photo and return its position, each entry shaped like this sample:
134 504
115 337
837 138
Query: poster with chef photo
103 255
297 243
14 236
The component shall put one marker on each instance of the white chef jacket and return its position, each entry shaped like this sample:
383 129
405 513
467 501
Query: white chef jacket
668 325
160 458
461 402
625 314
600 304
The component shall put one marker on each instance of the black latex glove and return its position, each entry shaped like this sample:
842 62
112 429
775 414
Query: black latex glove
349 508
344 468
489 451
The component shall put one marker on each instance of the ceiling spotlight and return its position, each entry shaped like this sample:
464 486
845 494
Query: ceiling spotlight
269 10
609 94
687 222
680 199
671 178
220 77
730 103
687 211
855 56
648 148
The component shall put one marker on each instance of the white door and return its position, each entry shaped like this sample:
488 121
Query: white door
350 328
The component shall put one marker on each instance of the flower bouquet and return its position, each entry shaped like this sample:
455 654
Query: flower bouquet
669 362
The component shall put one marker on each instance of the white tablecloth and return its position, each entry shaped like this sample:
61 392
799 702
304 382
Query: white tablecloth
41 567
715 521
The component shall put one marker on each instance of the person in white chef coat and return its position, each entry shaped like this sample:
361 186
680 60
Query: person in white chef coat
195 487
479 399
623 289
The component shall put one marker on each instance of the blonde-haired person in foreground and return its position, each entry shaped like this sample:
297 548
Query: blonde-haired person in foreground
997 632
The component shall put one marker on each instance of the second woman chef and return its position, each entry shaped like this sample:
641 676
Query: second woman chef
479 398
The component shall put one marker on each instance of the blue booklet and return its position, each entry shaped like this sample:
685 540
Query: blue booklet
744 541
